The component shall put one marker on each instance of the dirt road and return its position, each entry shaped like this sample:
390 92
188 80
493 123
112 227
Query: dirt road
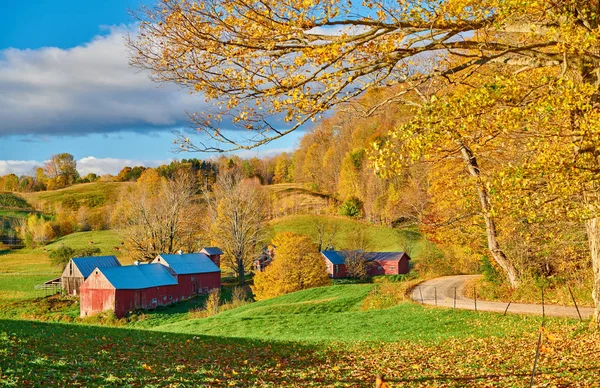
441 291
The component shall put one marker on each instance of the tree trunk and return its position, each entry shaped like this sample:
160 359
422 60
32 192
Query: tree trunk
240 263
592 227
490 225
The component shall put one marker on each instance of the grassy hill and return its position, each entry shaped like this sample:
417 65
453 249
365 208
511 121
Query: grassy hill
92 195
379 238
13 206
337 313
21 269
316 337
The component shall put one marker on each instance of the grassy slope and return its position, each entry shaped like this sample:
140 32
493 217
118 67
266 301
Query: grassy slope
20 270
333 313
412 345
92 195
380 238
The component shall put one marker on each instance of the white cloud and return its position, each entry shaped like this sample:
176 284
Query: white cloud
86 89
89 164
248 154
18 167
101 166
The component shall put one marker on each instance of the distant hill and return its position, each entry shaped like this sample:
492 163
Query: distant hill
13 206
293 198
92 195
377 237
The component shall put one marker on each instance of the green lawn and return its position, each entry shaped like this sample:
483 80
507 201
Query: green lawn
92 195
106 240
334 314
379 238
316 338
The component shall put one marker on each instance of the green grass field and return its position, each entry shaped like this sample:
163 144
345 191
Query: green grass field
379 238
334 314
317 337
93 195
21 269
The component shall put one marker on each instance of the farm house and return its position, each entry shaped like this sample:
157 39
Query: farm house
78 269
381 263
170 278
196 272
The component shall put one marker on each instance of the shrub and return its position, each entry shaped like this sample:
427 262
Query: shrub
352 207
490 273
212 302
61 255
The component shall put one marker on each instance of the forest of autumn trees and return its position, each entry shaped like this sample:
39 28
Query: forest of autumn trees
504 74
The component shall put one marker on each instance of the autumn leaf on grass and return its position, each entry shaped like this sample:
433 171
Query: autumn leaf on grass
146 367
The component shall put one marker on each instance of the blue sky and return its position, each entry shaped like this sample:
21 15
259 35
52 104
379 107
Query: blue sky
65 86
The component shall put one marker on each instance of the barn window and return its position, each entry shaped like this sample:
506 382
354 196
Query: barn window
154 301
170 297
165 297
392 267
193 278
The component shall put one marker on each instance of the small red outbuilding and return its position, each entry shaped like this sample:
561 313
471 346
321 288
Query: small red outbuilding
381 263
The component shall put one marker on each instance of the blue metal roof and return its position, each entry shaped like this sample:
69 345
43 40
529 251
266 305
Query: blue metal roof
188 263
334 257
383 256
135 277
87 264
339 257
212 251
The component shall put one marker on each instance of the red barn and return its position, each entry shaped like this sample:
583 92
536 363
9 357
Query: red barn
214 254
133 287
196 272
381 263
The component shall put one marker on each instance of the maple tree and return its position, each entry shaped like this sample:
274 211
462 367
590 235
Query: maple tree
297 265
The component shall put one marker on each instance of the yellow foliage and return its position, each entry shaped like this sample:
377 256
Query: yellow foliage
297 266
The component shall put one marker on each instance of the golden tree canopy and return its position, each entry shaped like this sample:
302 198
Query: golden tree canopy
256 60
297 266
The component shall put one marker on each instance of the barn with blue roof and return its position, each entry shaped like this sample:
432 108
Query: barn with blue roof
79 268
379 263
196 272
128 288
170 278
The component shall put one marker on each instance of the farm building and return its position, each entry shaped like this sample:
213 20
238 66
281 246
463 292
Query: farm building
123 289
380 263
196 272
168 279
78 269
214 253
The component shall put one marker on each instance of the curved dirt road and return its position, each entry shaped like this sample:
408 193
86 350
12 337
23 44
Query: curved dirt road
445 288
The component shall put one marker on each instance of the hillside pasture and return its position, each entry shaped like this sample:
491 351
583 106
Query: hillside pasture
314 338
379 238
94 195
293 198
337 313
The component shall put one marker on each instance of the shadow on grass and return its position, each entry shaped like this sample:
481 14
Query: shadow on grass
38 354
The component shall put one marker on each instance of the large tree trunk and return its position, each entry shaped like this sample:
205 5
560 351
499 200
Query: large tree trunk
490 226
241 271
592 227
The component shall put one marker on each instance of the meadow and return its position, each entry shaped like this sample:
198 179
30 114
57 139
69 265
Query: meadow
318 337
92 195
